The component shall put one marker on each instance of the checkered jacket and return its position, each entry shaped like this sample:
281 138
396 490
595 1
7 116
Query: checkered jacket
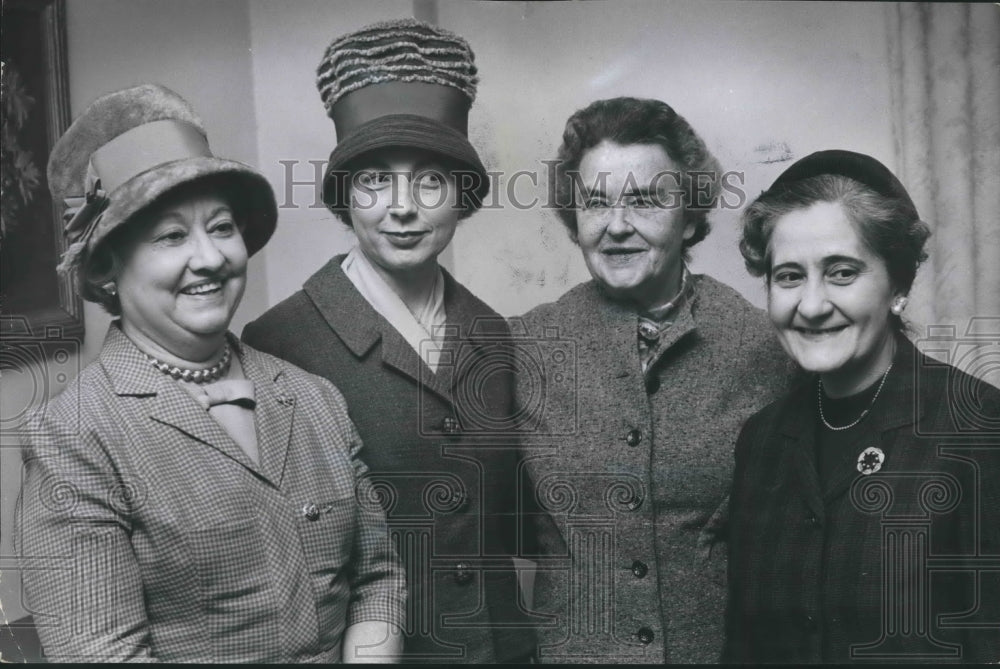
900 565
144 531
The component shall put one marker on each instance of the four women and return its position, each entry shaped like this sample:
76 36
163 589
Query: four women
206 501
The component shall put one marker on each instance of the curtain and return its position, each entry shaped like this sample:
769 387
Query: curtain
944 64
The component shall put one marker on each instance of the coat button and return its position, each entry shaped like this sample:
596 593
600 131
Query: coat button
634 504
310 511
810 624
639 569
450 425
652 384
633 437
645 635
814 521
463 573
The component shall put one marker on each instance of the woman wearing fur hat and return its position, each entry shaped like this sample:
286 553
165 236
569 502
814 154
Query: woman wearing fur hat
188 498
422 362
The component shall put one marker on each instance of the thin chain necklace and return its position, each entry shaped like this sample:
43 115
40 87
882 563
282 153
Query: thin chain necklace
819 387
207 375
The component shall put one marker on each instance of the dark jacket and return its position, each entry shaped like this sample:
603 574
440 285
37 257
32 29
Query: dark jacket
890 566
439 456
634 470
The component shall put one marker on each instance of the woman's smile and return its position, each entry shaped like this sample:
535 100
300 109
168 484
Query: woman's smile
819 333
206 287
406 239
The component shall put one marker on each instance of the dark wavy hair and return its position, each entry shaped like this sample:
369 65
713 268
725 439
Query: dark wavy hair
888 226
636 121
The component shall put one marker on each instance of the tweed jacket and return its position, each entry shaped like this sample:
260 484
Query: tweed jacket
146 532
441 461
891 566
634 473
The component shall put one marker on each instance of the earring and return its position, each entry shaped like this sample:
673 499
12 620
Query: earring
898 305
110 288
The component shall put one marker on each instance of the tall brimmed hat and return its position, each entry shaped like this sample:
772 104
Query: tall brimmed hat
858 166
399 84
127 150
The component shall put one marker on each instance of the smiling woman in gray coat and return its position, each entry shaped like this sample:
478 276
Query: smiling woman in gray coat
644 376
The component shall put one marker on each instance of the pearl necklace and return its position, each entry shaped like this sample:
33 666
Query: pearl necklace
819 388
208 375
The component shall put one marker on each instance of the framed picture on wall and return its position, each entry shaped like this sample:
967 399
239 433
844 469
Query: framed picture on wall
34 300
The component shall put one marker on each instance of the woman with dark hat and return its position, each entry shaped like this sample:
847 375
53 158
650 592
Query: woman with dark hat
188 498
422 362
865 510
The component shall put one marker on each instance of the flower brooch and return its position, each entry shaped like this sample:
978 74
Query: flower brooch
870 460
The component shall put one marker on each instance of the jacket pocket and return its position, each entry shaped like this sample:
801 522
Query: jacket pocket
235 585
327 531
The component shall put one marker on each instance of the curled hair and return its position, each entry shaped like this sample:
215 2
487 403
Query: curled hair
889 227
105 263
627 121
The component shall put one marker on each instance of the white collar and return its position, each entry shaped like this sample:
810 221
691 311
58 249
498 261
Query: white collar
424 330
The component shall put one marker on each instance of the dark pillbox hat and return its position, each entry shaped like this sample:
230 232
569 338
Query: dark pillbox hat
858 166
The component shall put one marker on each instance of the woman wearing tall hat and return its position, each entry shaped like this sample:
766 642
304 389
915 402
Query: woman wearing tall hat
865 509
188 498
421 361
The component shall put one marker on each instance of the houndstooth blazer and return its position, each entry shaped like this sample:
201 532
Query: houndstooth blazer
144 531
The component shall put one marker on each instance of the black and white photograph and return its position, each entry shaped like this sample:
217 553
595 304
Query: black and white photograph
462 332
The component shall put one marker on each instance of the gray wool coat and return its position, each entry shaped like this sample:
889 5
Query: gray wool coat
635 473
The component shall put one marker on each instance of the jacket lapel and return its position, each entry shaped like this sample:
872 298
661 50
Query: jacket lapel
797 428
274 413
360 327
469 332
169 404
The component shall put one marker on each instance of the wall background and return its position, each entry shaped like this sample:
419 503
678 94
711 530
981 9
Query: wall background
763 82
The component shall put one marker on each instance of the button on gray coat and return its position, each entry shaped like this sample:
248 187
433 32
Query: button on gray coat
634 478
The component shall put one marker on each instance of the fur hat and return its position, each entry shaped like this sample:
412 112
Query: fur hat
399 84
127 150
